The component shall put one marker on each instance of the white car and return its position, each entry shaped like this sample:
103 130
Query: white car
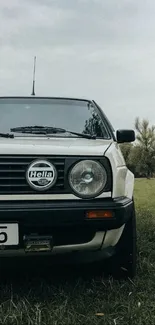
64 186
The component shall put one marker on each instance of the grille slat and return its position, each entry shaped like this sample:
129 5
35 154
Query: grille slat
11 178
11 171
13 174
5 163
12 185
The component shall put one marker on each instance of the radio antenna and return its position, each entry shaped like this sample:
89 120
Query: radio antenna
34 75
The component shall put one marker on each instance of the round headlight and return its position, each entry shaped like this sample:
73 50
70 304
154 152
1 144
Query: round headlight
87 178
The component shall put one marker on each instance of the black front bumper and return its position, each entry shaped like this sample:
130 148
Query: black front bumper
66 213
66 221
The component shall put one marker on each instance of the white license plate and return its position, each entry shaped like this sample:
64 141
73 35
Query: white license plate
9 234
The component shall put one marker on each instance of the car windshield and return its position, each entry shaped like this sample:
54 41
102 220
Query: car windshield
76 115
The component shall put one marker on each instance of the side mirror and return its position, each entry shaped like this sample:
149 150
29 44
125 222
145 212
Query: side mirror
125 136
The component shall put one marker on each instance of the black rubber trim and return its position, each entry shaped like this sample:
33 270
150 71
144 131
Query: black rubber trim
107 203
68 213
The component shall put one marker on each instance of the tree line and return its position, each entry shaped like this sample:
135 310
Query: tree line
140 155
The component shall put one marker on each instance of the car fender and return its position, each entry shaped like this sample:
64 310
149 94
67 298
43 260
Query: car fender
122 177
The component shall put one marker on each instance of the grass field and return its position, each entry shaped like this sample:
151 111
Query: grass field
38 296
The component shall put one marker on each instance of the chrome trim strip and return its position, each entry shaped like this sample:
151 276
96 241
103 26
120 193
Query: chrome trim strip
94 244
50 197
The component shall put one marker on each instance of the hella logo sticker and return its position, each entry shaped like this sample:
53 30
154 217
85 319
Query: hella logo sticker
41 175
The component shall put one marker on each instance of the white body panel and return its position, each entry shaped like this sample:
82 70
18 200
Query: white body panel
49 197
112 237
53 146
123 179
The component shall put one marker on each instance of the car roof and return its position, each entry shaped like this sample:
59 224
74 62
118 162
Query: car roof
43 97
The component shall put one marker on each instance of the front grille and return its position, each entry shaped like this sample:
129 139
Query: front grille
13 174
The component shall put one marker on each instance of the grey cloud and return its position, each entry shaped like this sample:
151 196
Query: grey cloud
102 49
70 22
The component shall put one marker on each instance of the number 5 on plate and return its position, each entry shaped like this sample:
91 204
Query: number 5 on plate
9 234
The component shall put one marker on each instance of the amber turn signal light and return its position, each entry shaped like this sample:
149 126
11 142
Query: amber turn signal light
99 214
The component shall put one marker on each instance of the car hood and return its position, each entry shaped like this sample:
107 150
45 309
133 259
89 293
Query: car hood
53 146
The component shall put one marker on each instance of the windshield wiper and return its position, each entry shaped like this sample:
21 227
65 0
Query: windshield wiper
47 130
6 135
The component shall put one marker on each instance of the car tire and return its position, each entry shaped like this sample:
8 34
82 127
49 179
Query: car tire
123 264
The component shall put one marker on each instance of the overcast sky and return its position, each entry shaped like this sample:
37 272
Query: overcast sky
98 49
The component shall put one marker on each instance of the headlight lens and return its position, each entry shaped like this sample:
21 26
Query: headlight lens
88 178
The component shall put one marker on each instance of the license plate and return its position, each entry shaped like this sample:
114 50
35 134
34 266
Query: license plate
9 234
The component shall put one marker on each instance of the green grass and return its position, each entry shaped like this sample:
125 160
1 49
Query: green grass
145 194
38 295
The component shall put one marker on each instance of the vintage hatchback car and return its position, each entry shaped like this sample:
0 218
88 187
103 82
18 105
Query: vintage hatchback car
64 186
